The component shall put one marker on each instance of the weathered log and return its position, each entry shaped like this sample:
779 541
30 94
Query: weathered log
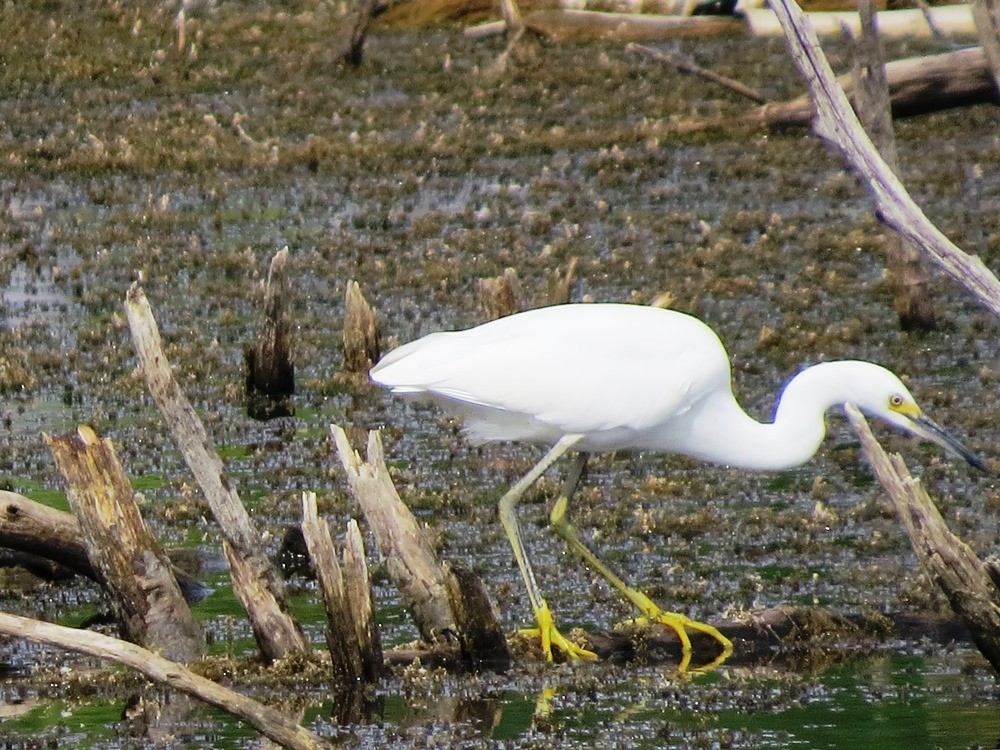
349 43
268 721
946 559
909 23
572 25
780 635
135 572
361 344
837 124
917 85
905 266
500 296
351 636
54 535
255 582
270 366
445 607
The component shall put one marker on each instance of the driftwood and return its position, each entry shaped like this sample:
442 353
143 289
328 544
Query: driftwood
917 85
54 537
910 23
270 368
561 283
569 25
427 586
351 634
969 585
683 64
266 720
906 271
255 582
361 344
135 571
837 124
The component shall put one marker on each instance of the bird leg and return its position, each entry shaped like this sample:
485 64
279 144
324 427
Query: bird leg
546 629
650 611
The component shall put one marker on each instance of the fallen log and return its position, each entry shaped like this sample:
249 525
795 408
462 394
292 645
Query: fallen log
571 25
917 85
909 23
54 535
134 570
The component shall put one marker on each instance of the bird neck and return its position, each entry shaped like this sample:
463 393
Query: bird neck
791 439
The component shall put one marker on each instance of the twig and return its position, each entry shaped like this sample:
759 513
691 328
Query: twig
987 17
686 65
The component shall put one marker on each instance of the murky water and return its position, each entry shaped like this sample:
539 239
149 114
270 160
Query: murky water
418 175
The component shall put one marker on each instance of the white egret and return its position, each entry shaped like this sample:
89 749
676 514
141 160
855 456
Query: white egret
607 377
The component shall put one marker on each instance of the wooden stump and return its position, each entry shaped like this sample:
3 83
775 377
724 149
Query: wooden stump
133 568
351 632
500 296
270 369
255 582
361 345
427 586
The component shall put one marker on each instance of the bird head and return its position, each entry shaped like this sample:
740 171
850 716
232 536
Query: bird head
882 394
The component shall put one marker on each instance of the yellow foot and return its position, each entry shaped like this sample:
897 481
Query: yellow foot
550 637
681 624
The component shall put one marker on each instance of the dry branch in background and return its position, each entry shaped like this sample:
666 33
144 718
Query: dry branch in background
500 296
907 274
255 582
349 44
266 720
684 64
945 558
134 570
837 124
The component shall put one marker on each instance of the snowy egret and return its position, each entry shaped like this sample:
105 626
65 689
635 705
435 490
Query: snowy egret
606 377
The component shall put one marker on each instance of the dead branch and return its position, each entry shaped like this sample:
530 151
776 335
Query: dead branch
945 558
837 124
255 582
684 64
266 720
909 23
135 572
349 43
